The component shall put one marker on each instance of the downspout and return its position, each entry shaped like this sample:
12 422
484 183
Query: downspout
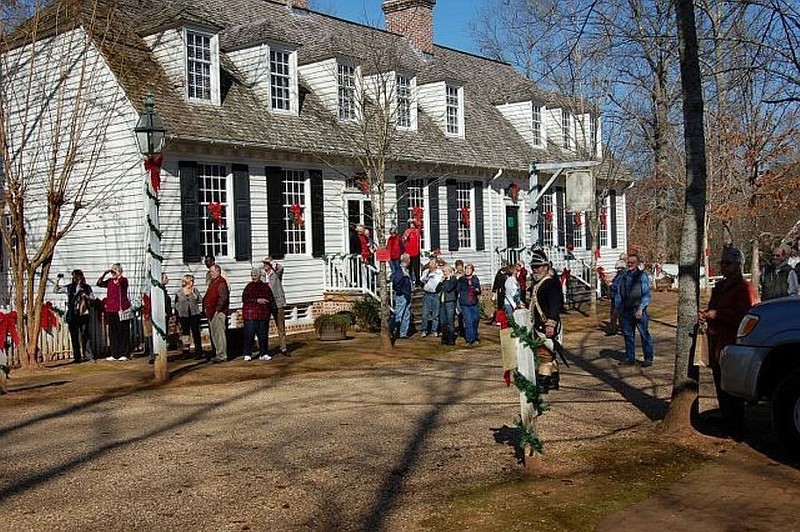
493 254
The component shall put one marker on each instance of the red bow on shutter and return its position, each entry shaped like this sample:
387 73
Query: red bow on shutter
153 165
215 210
465 215
49 320
8 325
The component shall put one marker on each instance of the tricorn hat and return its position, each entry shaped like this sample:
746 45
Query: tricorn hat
539 258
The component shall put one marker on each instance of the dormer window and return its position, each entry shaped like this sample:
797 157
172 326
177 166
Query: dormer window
347 91
202 68
280 79
454 110
404 101
536 124
566 129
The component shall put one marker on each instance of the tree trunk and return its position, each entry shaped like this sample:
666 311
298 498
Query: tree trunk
684 385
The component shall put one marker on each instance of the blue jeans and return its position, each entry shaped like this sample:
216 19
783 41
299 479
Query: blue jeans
447 316
471 315
394 265
402 315
253 328
430 311
628 320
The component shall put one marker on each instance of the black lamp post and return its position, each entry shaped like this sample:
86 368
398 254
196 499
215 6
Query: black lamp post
150 136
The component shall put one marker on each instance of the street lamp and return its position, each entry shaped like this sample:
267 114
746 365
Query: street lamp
150 135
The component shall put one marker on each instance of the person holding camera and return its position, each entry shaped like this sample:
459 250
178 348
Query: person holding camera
79 298
118 312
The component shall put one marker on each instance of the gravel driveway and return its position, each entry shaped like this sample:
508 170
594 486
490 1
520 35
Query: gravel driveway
364 449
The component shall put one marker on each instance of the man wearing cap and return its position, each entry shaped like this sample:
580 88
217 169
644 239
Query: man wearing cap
778 279
273 276
546 301
631 304
730 300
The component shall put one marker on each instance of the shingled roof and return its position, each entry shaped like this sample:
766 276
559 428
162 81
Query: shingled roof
242 120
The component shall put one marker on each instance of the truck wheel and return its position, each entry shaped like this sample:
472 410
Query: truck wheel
786 411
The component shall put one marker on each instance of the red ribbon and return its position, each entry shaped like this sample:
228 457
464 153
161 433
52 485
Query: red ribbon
8 325
49 320
297 213
465 215
153 165
597 253
603 219
146 307
507 377
548 215
215 210
363 184
513 191
578 219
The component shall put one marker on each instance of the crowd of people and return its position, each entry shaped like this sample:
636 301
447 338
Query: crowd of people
263 299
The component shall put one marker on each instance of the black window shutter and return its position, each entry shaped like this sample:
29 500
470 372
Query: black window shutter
612 218
540 218
241 211
275 214
452 215
588 228
433 208
401 189
317 215
562 241
569 227
480 241
190 212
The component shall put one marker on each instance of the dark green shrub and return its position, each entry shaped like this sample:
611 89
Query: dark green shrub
368 313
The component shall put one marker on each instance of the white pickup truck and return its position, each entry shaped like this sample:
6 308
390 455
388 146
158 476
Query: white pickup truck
765 364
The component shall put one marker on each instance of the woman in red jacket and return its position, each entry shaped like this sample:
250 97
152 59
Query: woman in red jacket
394 245
412 242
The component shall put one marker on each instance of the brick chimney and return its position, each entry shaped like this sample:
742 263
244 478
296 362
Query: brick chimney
413 19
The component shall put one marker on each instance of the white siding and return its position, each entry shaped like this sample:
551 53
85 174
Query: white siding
431 98
552 125
72 101
254 64
321 78
519 116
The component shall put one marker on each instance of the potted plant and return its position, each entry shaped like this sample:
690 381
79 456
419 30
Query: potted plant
332 326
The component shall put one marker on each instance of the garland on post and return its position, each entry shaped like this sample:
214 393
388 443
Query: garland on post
532 391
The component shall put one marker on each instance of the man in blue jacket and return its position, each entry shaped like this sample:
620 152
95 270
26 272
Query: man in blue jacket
631 303
401 283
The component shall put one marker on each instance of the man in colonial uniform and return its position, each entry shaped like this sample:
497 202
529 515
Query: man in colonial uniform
546 301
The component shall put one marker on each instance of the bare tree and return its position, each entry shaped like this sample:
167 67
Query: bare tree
55 115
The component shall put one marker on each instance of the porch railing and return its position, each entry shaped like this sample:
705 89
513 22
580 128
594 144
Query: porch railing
348 273
559 257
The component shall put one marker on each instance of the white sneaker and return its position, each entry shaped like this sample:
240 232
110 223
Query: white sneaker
424 334
265 357
248 358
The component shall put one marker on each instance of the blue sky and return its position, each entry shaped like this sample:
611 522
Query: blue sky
451 18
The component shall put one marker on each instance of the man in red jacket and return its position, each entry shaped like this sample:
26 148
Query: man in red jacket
730 300
215 305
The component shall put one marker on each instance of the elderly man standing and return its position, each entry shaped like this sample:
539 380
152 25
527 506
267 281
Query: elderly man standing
730 300
273 276
631 304
778 279
215 305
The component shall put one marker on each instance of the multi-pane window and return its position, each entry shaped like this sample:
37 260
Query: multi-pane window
212 188
605 222
566 129
416 204
453 110
280 79
347 92
536 125
403 91
548 219
198 65
294 210
578 222
465 214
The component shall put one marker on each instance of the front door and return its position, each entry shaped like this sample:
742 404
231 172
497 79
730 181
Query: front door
359 211
512 227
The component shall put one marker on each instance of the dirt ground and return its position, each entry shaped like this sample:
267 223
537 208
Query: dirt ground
342 437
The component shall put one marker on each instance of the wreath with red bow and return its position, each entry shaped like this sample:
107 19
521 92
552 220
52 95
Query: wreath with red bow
416 213
465 215
578 221
215 212
363 184
603 219
297 215
548 216
513 192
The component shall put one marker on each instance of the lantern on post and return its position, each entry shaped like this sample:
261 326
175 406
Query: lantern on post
150 136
